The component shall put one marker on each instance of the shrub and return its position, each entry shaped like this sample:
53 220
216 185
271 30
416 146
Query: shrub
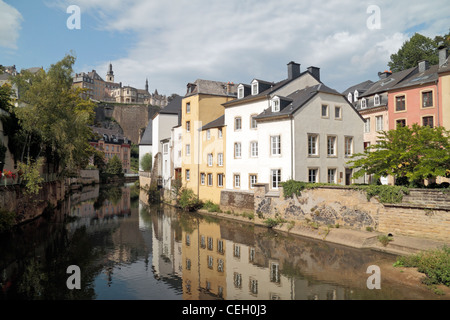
435 264
384 239
7 220
211 206
385 193
189 201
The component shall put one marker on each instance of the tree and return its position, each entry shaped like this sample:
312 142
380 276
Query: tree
114 166
55 115
417 48
146 162
414 153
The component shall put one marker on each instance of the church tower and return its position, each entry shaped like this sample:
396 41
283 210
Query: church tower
110 74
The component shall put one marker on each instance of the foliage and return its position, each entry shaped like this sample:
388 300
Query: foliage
435 264
211 206
292 187
385 193
384 239
114 166
417 48
54 115
270 222
176 188
5 97
146 162
31 177
7 220
414 153
189 201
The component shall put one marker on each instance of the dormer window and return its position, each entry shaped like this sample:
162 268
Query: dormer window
377 100
363 103
350 97
255 88
240 91
276 104
356 95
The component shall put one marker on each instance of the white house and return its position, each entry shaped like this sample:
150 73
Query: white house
294 129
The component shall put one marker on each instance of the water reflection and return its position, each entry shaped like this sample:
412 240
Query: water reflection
129 250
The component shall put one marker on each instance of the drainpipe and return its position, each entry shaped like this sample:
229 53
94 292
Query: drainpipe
437 101
292 148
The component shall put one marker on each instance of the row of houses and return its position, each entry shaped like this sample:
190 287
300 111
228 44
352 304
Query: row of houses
227 136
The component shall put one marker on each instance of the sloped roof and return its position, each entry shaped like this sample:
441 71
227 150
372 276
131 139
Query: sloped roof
419 78
201 86
146 139
388 83
361 87
219 122
174 107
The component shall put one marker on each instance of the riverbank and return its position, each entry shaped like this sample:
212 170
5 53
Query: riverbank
399 244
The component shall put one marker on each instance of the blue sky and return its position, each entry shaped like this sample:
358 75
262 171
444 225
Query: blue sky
175 42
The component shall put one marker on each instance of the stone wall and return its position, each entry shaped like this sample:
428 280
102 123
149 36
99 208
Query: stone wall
349 208
240 201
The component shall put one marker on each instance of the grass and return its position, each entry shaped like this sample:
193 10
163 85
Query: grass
435 264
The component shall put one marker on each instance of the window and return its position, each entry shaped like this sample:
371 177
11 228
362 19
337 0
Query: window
275 272
237 149
312 175
255 88
202 179
210 179
379 123
400 103
254 149
400 123
236 251
338 112
165 148
275 145
331 175
324 111
377 100
188 126
356 95
220 180
253 123
253 178
427 99
366 144
312 145
276 105
237 181
220 133
188 149
348 146
276 178
428 121
363 103
210 159
237 123
253 286
220 159
208 134
367 125
188 107
240 92
188 174
331 145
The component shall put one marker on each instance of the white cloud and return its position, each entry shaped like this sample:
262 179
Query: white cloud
9 26
236 40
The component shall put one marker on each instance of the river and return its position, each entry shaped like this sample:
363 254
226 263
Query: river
127 250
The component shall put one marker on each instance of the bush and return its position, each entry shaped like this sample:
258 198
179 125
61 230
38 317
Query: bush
7 220
189 201
211 206
386 194
435 264
146 162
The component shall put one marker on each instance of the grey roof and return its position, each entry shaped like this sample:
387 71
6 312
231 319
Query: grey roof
174 107
370 102
361 87
146 139
389 82
298 99
219 122
201 86
420 78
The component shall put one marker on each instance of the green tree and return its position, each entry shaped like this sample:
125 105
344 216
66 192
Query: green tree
414 153
55 115
146 162
114 166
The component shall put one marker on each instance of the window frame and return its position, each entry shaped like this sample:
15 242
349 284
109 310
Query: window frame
311 146
316 175
396 97
236 123
252 149
237 144
346 153
277 180
276 146
334 146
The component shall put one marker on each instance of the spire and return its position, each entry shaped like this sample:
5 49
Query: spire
110 69
146 84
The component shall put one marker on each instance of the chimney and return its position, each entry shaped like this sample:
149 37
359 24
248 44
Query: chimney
423 66
384 74
315 72
230 88
293 70
442 55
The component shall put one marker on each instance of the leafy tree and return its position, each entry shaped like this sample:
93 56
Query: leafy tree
114 166
414 153
55 114
146 162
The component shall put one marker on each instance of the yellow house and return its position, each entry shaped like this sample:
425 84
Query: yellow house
444 86
212 166
201 105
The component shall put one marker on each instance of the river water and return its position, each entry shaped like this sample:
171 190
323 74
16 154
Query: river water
128 250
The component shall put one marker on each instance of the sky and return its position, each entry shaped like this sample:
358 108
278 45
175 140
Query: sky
172 43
